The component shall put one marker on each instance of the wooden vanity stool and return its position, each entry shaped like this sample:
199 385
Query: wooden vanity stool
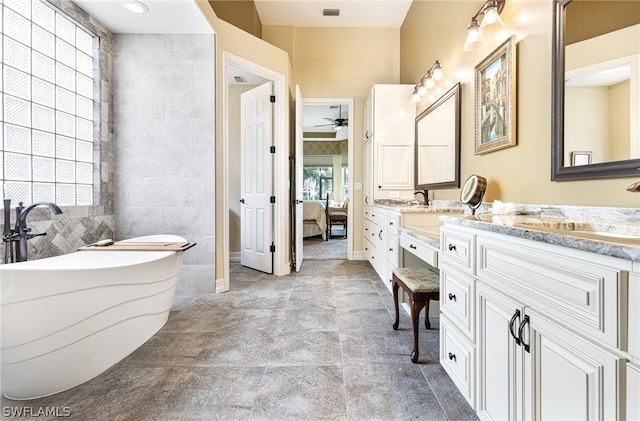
421 285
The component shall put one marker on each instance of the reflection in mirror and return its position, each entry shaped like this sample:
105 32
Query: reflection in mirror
437 154
596 89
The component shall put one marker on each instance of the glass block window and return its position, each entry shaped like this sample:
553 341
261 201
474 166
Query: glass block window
47 105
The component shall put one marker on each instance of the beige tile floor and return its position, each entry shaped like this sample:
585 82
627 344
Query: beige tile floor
317 345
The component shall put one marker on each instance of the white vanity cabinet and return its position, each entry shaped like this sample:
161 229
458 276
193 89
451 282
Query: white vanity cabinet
389 143
542 327
381 243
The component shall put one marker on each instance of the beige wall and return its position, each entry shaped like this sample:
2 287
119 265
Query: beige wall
241 14
436 30
342 63
244 45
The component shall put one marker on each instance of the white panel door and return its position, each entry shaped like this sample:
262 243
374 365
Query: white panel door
299 221
256 178
499 356
568 377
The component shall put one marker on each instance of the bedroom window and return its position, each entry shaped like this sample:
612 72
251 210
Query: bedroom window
317 181
48 107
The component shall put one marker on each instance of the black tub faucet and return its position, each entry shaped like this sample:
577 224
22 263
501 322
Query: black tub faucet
21 234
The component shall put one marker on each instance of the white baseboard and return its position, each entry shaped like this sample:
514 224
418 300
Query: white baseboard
221 286
359 255
234 257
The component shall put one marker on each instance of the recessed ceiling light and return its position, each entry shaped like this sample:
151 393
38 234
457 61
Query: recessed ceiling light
135 6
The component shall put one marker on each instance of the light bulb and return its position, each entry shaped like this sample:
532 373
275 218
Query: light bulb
422 89
475 40
429 83
491 22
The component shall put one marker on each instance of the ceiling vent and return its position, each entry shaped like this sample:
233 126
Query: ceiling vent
330 12
240 79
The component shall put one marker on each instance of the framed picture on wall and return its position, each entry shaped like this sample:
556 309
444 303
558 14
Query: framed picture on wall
495 99
580 158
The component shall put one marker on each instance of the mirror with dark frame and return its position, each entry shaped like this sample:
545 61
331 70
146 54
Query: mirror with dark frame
596 89
437 153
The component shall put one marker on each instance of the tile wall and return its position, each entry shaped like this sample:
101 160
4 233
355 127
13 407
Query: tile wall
164 136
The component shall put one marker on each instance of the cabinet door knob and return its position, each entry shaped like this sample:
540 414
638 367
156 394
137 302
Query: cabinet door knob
452 297
452 356
411 246
452 247
520 329
515 316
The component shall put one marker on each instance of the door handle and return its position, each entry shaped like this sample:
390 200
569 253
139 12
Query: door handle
241 200
516 315
299 201
520 329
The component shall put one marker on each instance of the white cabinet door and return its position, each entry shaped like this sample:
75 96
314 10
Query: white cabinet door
568 377
395 166
633 391
394 115
499 357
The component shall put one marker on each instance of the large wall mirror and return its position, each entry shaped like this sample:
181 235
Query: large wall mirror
596 89
437 156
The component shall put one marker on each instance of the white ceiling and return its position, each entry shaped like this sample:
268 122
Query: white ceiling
184 16
314 115
164 16
353 13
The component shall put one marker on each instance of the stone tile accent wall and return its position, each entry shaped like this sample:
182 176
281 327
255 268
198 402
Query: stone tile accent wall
164 134
80 225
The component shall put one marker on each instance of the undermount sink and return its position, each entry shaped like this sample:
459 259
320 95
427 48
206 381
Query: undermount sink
586 228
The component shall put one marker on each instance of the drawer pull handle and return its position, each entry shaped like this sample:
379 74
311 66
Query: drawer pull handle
452 296
380 234
411 246
520 329
452 356
516 315
452 247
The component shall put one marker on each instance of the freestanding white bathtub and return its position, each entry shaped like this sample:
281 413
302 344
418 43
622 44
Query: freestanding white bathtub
67 319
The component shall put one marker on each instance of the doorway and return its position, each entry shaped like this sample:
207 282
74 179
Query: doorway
327 171
241 75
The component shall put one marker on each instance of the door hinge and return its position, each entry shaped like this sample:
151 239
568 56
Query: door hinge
272 199
272 249
272 149
272 98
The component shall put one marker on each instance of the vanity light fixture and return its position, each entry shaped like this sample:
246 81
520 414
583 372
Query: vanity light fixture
491 23
135 6
431 83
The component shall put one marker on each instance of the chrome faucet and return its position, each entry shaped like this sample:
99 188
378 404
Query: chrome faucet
425 196
20 233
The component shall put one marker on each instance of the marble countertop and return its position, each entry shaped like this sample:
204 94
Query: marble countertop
607 238
406 207
429 235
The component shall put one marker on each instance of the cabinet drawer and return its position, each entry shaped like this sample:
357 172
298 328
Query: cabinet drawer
367 212
457 299
393 223
457 356
369 230
379 217
394 251
567 285
457 248
369 251
423 251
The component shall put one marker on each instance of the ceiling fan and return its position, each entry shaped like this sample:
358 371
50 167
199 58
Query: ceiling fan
339 122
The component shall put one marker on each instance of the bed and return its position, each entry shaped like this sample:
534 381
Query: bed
314 218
